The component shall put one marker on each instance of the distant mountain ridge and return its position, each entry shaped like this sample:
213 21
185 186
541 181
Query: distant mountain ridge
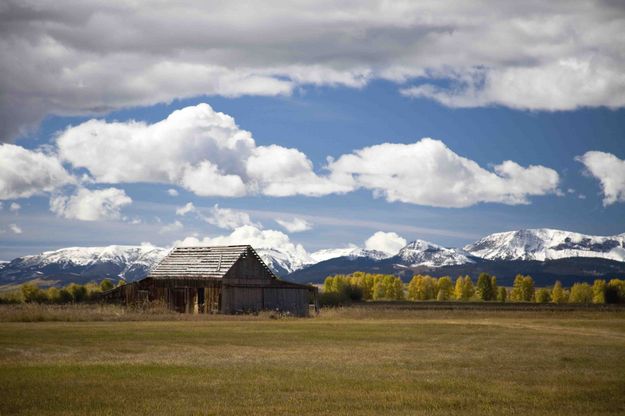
547 244
543 252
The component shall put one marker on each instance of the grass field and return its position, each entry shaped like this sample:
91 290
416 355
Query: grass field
351 361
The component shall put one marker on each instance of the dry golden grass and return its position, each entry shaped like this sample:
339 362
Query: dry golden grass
346 361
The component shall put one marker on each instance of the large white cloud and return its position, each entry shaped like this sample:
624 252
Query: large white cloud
429 173
610 171
24 173
197 148
257 238
91 205
389 243
69 57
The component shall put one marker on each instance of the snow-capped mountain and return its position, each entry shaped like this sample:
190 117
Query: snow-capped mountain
546 244
351 252
85 263
283 263
424 253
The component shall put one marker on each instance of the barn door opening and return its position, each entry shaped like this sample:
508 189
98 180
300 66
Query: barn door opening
180 300
201 299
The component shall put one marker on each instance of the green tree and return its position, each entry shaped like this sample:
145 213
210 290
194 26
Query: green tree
32 293
445 288
495 288
78 292
581 293
105 285
467 288
615 291
557 293
502 294
65 296
485 287
542 295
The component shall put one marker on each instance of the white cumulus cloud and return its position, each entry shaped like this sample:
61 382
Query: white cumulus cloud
429 173
295 225
197 148
389 243
254 236
90 205
15 207
228 218
24 173
172 192
610 171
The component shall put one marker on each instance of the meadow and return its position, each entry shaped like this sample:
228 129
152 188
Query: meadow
358 360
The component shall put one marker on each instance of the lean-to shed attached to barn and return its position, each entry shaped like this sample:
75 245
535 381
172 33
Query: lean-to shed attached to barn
225 279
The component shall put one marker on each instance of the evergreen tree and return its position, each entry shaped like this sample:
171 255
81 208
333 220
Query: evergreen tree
484 287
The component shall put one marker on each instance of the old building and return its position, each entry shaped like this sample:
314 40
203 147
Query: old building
225 279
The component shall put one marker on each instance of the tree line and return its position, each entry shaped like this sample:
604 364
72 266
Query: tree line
342 289
71 293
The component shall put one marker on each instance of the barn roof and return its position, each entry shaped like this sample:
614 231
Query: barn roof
203 262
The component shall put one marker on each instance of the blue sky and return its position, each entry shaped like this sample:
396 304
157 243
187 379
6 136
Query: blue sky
324 109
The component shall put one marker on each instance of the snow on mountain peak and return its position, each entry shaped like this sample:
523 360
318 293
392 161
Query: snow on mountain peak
547 244
424 253
351 251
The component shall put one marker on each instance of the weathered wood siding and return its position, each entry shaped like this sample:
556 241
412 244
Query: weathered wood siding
293 300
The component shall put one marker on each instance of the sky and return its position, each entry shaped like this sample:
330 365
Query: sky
308 125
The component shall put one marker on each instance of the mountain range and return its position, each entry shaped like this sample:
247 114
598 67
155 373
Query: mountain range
546 254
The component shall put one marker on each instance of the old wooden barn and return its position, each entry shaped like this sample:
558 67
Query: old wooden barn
223 279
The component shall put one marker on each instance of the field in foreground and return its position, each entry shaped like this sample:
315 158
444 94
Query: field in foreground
352 361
